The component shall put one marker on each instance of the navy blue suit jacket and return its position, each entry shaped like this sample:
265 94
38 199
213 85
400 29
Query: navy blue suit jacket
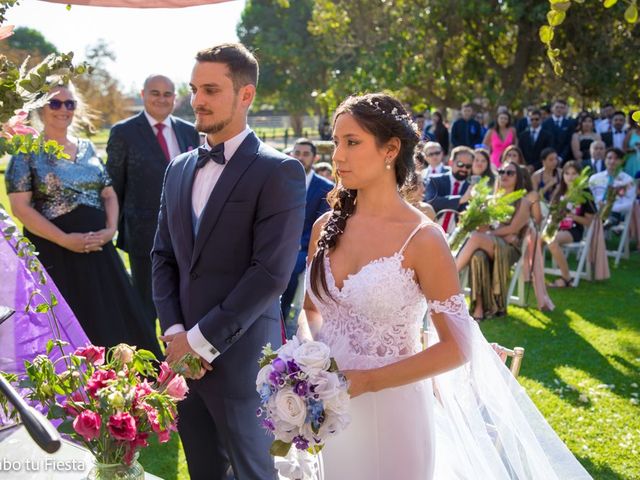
438 193
136 165
561 136
316 205
229 276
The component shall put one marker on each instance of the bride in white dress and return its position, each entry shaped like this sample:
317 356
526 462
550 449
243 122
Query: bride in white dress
451 411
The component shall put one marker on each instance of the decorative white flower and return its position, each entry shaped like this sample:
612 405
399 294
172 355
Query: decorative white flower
326 384
338 403
286 351
283 430
313 357
290 407
263 376
298 465
332 425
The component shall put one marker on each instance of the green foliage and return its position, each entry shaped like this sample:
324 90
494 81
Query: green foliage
268 355
577 194
32 41
484 208
189 365
279 448
4 6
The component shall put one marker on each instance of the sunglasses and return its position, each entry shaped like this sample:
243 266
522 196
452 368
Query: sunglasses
434 153
464 165
508 173
55 104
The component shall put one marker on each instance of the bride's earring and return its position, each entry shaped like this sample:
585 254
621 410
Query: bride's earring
387 164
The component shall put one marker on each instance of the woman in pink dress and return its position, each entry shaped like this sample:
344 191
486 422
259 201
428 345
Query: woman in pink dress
499 137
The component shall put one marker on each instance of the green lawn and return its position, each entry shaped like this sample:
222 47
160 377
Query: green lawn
581 367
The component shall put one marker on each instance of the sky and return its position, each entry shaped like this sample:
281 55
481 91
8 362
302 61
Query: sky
145 41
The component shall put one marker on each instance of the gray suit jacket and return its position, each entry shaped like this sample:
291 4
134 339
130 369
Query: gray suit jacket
229 277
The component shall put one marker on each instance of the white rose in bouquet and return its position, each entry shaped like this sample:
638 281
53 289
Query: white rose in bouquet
286 351
263 376
327 385
290 407
313 357
333 424
339 403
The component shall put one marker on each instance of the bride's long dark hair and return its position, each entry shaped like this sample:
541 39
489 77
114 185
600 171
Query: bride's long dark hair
385 118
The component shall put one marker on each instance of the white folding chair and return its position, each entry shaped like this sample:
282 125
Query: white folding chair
623 247
581 249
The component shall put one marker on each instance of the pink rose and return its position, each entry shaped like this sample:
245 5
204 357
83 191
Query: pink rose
122 426
87 424
164 436
177 388
98 380
91 353
142 390
166 373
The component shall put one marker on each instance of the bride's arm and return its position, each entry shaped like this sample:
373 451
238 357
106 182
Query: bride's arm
438 279
310 320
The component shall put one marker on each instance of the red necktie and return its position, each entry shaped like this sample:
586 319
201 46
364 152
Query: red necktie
447 217
162 141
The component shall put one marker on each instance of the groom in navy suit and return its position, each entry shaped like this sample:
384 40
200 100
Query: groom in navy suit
317 189
229 229
139 150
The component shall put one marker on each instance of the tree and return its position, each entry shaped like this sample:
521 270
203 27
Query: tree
27 42
293 67
101 91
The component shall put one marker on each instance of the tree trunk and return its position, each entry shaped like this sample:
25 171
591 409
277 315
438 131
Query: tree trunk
296 123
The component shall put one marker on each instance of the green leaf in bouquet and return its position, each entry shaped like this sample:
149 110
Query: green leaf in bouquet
189 365
43 308
56 411
267 359
333 366
49 346
66 427
316 449
279 448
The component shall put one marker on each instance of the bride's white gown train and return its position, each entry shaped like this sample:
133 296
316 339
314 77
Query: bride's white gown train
479 422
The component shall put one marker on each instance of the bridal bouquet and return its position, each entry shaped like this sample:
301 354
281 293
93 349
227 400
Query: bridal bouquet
484 208
111 402
304 400
577 194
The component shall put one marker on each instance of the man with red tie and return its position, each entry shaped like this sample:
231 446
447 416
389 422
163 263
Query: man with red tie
139 150
451 190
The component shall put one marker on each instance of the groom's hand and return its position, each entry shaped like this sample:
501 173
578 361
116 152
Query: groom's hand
177 347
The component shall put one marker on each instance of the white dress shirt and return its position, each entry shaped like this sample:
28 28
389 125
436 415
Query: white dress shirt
308 178
167 132
599 182
430 170
618 138
203 184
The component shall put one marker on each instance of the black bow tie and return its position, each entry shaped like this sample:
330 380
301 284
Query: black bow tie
216 154
618 132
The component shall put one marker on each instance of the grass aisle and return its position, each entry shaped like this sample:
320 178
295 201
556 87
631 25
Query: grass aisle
581 368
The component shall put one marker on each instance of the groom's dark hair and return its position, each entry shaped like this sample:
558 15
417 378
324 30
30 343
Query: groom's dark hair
243 66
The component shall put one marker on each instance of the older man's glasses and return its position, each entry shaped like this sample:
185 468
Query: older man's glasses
55 104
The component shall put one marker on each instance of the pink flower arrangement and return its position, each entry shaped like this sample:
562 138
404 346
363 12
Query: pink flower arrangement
111 402
16 125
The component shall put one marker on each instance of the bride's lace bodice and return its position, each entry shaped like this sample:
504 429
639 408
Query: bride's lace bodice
376 317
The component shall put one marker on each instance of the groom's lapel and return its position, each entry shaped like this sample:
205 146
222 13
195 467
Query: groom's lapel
186 187
235 168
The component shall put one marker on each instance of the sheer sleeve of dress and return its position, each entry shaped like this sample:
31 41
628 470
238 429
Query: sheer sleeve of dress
489 426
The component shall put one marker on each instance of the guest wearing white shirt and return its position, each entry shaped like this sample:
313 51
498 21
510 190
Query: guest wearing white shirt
600 183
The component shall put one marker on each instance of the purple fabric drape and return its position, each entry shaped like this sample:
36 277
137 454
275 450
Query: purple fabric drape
26 333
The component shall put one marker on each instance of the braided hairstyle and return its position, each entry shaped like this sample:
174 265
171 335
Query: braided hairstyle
385 118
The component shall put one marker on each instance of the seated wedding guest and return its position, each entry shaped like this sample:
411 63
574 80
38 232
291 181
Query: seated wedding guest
547 178
631 146
324 169
415 193
482 167
513 154
437 131
572 227
490 253
622 182
70 212
583 137
499 137
532 140
451 190
318 187
596 157
433 154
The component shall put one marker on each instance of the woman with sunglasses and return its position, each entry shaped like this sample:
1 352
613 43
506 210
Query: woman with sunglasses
490 252
572 226
70 211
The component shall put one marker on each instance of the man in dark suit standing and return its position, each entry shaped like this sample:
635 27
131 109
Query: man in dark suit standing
561 129
465 130
317 189
596 162
533 140
229 229
450 191
139 150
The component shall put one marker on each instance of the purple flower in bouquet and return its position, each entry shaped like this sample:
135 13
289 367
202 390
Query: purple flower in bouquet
301 388
300 442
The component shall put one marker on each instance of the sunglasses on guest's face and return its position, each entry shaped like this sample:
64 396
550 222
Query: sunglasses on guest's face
434 153
460 164
508 173
55 104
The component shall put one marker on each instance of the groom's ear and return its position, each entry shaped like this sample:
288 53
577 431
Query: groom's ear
247 94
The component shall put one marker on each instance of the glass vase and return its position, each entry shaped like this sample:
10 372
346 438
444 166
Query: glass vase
117 471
